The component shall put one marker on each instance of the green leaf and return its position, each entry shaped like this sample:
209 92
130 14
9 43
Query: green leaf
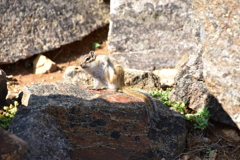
96 45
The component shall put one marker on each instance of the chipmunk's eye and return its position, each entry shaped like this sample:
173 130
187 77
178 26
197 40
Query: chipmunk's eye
87 59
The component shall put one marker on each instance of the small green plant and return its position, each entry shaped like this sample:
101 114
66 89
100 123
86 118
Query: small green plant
97 45
200 119
208 152
121 91
163 96
225 152
8 114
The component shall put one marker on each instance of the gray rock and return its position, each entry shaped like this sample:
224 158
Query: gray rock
75 74
189 84
3 88
32 26
221 53
142 79
11 146
191 89
135 78
153 33
101 124
44 137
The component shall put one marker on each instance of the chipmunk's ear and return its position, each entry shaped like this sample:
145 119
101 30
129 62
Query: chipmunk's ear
92 54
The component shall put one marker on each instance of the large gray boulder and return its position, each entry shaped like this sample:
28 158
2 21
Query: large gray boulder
191 89
31 26
152 33
221 52
219 47
101 124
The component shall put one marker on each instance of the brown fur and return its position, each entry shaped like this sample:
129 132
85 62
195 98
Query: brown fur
107 71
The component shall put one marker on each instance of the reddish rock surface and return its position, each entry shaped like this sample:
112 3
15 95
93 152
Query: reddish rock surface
101 124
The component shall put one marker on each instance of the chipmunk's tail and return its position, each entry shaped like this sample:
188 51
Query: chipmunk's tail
151 106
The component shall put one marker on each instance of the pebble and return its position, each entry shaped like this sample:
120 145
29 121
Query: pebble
212 155
186 157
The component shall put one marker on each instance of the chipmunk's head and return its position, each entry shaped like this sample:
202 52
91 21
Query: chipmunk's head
86 61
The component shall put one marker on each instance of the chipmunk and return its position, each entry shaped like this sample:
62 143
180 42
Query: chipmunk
108 72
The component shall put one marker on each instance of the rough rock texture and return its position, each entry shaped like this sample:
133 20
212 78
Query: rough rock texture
3 88
11 146
153 33
42 64
221 52
31 26
191 89
167 76
44 137
142 79
134 78
75 74
101 124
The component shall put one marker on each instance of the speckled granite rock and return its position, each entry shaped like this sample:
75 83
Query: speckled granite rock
221 52
191 89
152 33
101 124
75 74
31 26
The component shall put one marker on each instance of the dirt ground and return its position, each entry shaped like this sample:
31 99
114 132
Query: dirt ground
219 141
21 74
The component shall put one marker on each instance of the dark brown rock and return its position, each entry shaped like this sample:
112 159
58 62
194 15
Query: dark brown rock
152 33
11 146
44 137
101 124
221 57
3 88
32 26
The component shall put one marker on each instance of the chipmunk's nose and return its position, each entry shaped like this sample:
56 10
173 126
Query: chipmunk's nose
82 65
